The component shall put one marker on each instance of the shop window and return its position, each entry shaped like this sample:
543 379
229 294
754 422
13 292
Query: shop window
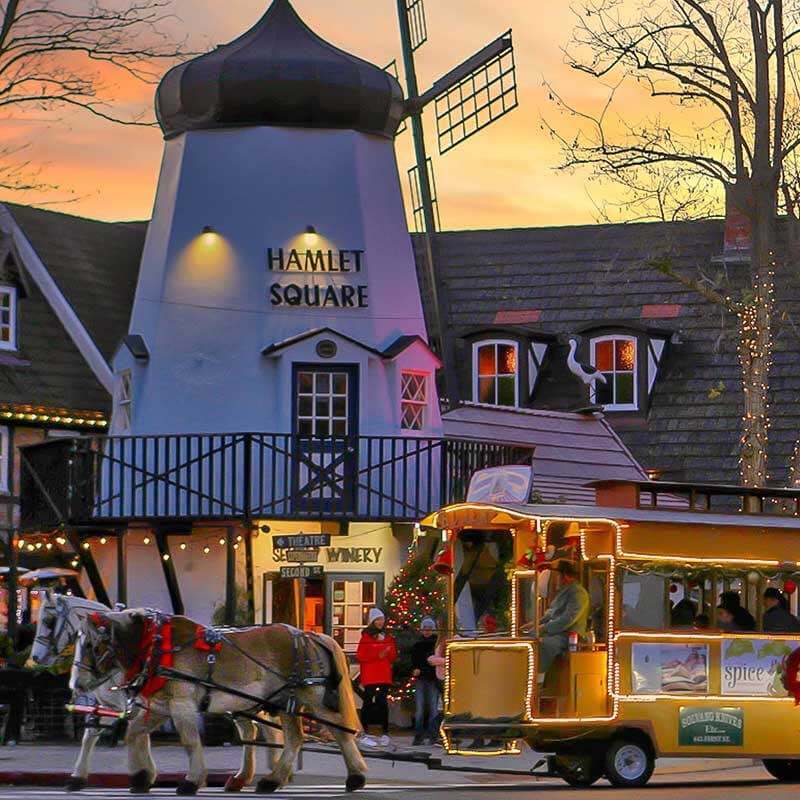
5 458
8 318
616 358
351 601
495 370
413 400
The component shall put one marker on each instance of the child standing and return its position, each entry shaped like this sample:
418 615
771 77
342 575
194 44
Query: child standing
376 653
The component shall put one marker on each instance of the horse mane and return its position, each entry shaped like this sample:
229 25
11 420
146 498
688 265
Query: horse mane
79 603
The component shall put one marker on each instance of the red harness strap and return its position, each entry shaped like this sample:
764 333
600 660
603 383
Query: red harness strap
146 662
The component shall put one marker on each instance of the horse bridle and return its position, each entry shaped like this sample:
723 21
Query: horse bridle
97 669
62 624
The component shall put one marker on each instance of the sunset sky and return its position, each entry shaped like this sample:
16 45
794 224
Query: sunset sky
504 177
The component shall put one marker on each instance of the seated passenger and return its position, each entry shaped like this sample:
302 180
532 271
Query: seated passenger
569 612
726 621
683 614
777 617
701 622
742 619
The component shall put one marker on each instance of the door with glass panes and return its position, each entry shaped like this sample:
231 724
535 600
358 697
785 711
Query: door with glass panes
349 600
326 438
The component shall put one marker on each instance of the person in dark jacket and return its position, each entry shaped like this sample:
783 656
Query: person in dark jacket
426 685
777 617
743 620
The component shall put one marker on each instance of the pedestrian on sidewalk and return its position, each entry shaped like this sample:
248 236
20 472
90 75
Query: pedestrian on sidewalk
376 653
427 689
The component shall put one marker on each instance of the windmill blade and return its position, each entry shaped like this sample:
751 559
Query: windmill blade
417 23
473 95
391 68
417 204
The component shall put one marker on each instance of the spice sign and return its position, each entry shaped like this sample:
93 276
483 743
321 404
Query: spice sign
711 727
314 571
754 667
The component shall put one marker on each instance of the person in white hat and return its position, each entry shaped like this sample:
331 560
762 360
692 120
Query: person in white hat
376 653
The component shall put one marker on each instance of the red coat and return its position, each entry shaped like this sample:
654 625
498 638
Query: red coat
375 657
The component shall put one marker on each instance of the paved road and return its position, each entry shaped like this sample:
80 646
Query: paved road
745 782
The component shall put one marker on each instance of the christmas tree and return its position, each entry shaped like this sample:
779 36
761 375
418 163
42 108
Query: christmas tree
417 591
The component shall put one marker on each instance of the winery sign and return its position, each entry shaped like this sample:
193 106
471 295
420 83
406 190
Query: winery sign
306 267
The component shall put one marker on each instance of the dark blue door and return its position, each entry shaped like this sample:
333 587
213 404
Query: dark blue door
326 438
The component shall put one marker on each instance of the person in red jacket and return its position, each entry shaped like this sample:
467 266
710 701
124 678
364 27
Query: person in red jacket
376 653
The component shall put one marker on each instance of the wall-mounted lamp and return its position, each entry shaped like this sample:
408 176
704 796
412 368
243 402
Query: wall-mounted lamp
208 229
310 236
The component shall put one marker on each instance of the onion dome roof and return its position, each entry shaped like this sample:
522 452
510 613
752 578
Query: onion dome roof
279 73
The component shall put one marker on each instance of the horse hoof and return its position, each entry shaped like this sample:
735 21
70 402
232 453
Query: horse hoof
355 782
140 782
265 786
234 784
76 784
186 788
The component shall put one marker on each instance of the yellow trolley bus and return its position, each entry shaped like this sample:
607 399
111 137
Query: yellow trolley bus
662 671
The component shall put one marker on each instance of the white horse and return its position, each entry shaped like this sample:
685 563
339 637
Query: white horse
291 669
60 619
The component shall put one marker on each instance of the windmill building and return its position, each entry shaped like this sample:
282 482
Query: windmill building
276 428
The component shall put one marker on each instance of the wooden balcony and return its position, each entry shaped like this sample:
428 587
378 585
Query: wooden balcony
111 480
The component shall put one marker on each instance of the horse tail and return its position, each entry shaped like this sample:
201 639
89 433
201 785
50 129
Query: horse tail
347 697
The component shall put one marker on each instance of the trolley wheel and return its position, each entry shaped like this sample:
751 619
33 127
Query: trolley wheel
786 770
579 770
629 762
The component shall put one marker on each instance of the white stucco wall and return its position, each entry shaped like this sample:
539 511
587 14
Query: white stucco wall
202 302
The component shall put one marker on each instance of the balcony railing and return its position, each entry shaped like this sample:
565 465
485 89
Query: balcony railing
99 480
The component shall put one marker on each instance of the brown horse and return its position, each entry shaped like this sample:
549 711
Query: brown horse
166 659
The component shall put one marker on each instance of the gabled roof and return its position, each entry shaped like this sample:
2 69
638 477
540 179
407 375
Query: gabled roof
585 275
94 267
570 450
398 346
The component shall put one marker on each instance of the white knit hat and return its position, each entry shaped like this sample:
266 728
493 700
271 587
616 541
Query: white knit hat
428 624
375 613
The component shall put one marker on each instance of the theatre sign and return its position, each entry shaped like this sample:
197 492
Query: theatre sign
314 264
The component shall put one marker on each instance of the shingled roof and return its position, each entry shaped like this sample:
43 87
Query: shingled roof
95 265
570 451
566 278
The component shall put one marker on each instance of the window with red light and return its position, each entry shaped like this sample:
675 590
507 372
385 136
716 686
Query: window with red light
616 358
496 373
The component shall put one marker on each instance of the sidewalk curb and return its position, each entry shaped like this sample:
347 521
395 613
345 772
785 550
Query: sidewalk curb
102 780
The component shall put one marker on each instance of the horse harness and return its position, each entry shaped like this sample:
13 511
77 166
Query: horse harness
153 665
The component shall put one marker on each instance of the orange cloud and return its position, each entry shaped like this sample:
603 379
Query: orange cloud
505 176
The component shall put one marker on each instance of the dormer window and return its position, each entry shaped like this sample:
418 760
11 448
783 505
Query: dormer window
616 358
495 371
8 318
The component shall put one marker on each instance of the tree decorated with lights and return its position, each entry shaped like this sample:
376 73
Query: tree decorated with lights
417 591
731 68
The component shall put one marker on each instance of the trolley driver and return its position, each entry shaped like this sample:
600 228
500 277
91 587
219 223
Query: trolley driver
568 613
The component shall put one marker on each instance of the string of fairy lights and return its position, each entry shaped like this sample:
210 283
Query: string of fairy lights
755 358
57 543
